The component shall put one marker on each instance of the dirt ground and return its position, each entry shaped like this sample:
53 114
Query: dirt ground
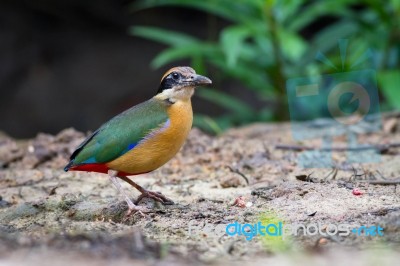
52 217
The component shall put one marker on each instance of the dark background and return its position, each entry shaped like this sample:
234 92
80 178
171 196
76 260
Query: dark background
71 63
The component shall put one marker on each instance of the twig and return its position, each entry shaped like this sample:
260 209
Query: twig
382 211
381 174
236 171
380 148
333 173
355 174
382 182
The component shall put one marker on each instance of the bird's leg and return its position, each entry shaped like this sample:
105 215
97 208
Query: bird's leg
132 207
157 196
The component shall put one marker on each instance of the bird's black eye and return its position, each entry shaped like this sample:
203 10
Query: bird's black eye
175 75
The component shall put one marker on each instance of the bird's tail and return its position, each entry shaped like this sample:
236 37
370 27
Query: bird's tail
68 166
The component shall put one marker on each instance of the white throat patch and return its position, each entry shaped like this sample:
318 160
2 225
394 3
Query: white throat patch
176 94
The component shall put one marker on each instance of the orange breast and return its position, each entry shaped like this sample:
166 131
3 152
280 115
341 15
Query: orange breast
160 148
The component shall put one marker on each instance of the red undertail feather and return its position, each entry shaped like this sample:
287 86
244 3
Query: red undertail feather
99 168
91 167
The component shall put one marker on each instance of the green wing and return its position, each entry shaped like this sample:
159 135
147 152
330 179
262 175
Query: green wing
122 133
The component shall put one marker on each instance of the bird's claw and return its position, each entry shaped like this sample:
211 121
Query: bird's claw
157 196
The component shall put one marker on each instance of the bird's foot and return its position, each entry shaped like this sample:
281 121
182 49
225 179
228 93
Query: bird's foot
157 196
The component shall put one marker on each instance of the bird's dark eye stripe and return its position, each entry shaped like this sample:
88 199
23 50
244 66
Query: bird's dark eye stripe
167 83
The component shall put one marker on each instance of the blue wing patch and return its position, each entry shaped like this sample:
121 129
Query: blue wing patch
131 146
90 160
93 159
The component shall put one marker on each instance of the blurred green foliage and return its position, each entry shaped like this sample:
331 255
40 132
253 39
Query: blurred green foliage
263 46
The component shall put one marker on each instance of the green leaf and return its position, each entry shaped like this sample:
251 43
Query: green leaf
252 75
316 10
208 124
389 82
168 37
327 39
183 52
287 9
232 39
396 6
264 44
227 101
233 11
292 45
198 64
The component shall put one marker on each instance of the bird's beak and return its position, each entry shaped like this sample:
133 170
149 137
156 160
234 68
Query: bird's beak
199 80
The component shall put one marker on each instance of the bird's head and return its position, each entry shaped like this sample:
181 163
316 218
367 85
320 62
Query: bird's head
179 83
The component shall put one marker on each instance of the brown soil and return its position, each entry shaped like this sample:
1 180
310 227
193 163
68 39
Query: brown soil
50 217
